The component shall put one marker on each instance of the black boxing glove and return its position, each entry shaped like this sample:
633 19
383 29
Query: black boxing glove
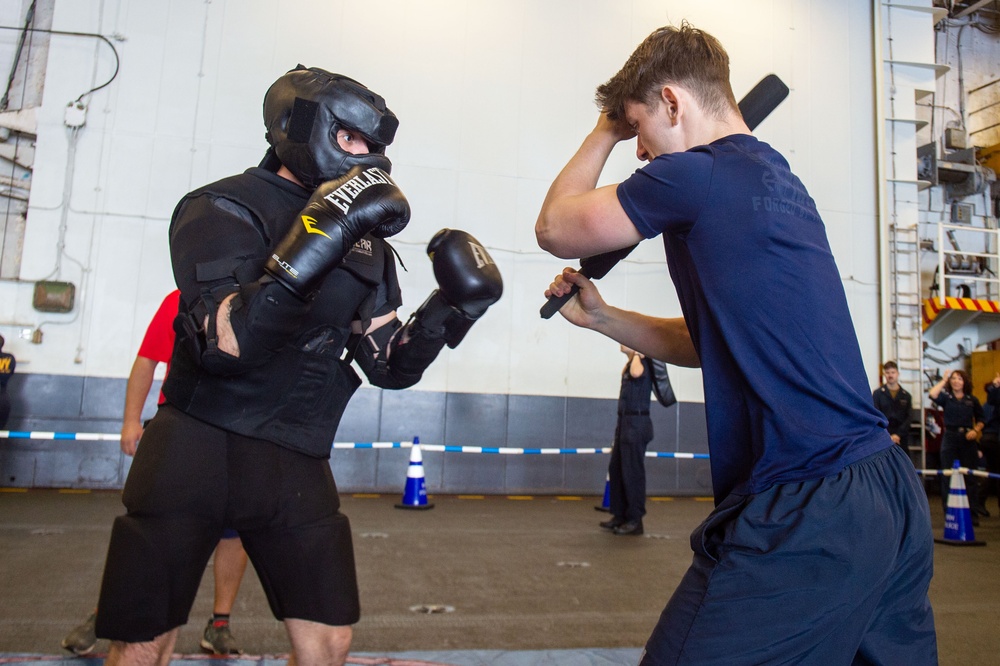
339 213
468 283
395 356
466 274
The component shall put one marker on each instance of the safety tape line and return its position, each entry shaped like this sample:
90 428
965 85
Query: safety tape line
503 450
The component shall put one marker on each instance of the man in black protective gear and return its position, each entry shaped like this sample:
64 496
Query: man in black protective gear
285 281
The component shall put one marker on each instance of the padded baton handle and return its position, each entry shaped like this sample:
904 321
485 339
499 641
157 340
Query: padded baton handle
555 303
594 268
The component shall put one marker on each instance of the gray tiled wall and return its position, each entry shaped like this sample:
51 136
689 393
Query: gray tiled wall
88 404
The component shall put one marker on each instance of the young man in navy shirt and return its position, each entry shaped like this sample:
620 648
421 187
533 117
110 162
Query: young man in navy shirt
819 550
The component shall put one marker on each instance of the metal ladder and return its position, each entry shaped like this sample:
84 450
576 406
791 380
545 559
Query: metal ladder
905 308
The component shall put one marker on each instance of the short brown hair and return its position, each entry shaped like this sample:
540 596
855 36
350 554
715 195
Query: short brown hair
889 365
681 55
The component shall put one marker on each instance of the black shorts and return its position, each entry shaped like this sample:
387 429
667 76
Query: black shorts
829 571
189 481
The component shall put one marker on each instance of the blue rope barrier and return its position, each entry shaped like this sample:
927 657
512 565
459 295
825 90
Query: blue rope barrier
507 450
683 456
372 445
960 470
496 450
40 434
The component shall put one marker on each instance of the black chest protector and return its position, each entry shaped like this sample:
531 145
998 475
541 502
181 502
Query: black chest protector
297 397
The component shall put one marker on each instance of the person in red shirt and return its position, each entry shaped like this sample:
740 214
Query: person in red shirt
230 559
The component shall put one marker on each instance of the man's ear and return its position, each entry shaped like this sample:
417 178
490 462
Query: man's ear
671 102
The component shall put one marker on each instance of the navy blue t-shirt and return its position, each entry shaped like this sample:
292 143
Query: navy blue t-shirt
786 394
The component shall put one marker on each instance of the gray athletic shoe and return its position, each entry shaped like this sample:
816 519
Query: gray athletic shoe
218 639
82 639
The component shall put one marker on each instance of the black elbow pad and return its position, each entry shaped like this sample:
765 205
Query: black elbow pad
412 350
371 355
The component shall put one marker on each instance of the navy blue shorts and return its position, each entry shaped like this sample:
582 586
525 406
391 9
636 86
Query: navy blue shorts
191 480
824 572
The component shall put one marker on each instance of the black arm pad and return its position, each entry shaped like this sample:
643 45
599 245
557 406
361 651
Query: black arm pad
264 316
405 363
411 348
440 319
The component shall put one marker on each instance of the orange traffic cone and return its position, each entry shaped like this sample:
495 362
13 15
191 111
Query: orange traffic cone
958 517
415 492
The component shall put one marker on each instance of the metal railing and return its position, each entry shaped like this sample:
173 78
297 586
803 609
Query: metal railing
990 260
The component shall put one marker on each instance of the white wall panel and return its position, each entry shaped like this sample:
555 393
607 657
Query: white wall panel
863 299
114 287
840 233
488 204
863 252
49 173
167 182
493 98
226 159
128 186
40 247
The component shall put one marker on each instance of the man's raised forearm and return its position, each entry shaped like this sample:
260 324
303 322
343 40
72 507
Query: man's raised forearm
667 340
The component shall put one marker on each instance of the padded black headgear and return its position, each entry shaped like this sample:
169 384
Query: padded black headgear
303 111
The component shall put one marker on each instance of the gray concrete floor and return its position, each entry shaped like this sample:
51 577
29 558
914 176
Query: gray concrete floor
522 575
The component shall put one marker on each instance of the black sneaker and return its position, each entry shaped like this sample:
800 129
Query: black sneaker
612 523
218 639
631 528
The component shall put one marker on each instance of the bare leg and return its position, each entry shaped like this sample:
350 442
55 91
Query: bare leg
229 565
315 644
154 653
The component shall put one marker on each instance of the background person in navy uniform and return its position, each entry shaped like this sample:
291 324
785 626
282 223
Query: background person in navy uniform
989 444
633 433
896 403
963 425
7 365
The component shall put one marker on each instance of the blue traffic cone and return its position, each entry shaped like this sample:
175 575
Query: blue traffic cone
958 517
606 503
415 492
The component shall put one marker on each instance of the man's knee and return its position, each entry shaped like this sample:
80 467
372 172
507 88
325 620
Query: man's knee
316 643
156 652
